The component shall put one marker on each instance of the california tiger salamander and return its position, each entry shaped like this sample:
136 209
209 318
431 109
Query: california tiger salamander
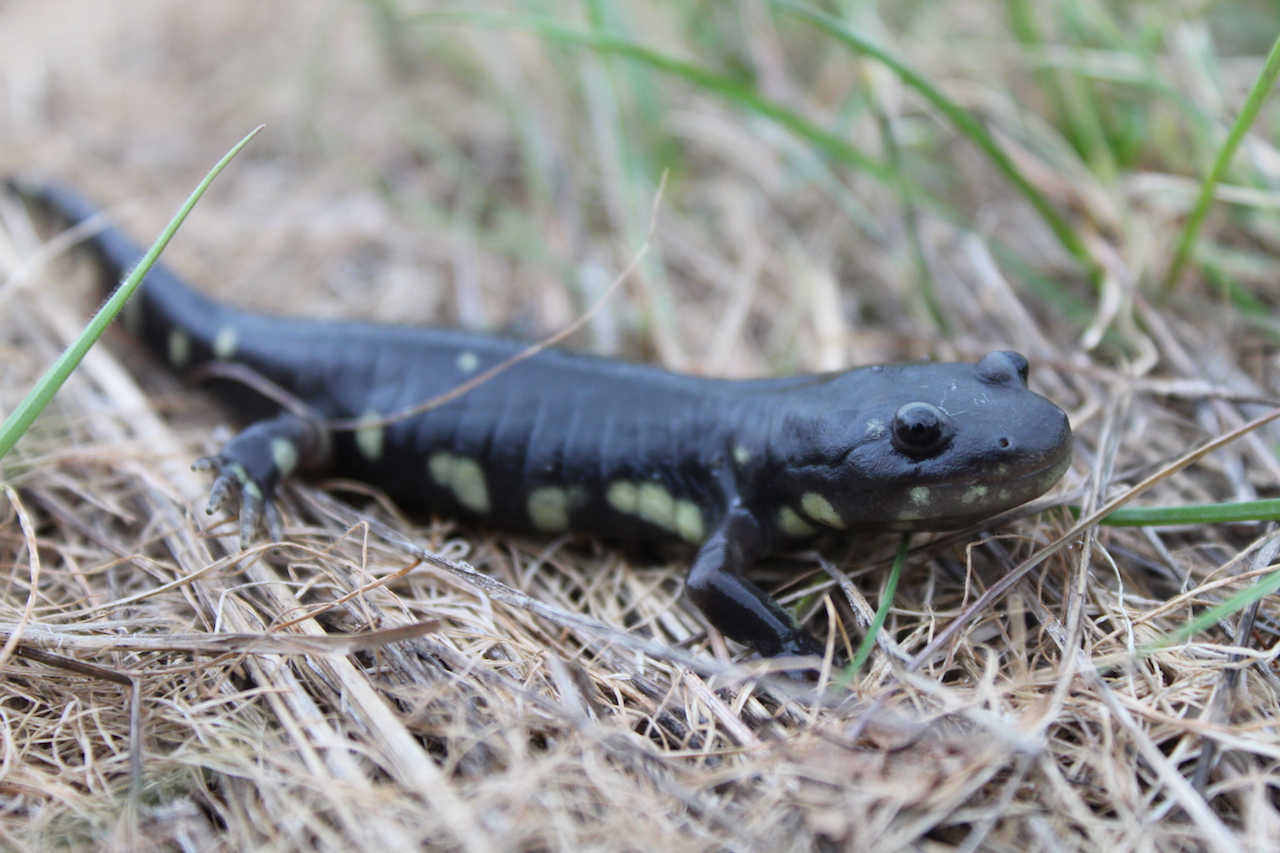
562 441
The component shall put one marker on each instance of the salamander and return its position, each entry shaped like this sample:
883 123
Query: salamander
563 442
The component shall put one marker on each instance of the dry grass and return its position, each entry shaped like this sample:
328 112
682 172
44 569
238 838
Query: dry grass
567 697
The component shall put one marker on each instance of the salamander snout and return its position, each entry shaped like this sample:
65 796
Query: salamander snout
1030 433
1026 427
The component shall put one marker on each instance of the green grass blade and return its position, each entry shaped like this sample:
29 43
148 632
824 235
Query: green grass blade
1252 105
882 611
963 120
34 403
1220 513
1211 616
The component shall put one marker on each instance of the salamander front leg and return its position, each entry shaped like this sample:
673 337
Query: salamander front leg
738 608
253 463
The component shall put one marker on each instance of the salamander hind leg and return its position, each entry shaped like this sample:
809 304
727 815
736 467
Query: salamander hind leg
252 464
734 605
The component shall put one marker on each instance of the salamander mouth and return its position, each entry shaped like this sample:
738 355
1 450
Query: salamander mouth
948 506
1048 474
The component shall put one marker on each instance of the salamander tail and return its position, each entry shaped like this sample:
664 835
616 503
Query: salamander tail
178 323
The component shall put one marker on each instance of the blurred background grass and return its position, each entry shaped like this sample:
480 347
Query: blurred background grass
535 135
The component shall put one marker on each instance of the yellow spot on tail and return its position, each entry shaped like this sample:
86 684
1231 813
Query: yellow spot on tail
468 361
741 455
464 477
791 524
369 438
920 495
820 510
973 494
548 508
179 349
225 342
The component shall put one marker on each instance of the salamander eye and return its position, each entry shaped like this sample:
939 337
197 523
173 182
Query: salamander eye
921 430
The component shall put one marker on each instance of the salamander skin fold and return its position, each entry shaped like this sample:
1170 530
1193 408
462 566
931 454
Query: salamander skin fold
568 442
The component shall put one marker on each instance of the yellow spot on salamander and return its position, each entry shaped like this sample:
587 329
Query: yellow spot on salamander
468 361
688 519
875 428
623 496
369 438
469 485
653 503
791 524
179 349
920 495
741 455
464 477
440 465
285 455
225 342
820 510
656 506
548 508
973 494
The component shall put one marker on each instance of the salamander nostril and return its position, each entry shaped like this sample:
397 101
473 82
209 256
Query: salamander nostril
1004 443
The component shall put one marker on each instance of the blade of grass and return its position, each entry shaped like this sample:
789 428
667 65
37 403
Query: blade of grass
1223 513
34 403
882 611
1211 616
963 120
1252 105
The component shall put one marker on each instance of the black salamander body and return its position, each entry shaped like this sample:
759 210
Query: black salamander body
564 442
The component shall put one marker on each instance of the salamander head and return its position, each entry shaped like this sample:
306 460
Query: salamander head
927 447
